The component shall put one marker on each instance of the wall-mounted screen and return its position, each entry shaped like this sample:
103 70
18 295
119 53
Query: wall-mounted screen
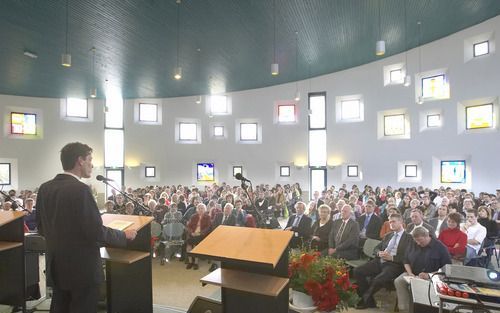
205 172
453 171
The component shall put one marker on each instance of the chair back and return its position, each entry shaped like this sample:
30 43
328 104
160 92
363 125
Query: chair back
369 247
155 229
173 231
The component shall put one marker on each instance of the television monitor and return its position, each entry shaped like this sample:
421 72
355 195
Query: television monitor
205 172
453 171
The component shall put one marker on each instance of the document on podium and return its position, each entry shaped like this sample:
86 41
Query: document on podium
119 224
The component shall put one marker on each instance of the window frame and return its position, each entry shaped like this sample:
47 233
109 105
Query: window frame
357 171
479 105
148 121
313 95
474 55
215 134
391 81
342 118
430 115
294 113
409 166
282 167
23 134
256 131
180 132
146 171
78 117
235 168
430 77
404 124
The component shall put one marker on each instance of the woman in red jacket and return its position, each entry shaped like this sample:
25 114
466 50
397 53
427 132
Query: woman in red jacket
198 227
453 238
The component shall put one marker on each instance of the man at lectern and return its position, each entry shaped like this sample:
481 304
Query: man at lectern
68 217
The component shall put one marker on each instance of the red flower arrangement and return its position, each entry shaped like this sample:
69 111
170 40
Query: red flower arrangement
325 279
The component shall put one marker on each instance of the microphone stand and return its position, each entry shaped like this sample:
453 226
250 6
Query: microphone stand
142 208
258 216
8 198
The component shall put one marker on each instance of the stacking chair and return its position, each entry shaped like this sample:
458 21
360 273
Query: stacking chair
171 239
368 253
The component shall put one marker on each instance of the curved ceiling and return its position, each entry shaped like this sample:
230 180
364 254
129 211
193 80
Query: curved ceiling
224 45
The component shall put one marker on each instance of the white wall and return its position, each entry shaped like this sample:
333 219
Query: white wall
38 159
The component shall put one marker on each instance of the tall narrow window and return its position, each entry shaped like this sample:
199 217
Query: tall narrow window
318 180
116 176
317 142
113 148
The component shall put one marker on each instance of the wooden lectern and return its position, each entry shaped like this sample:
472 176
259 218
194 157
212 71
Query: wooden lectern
254 268
128 270
12 277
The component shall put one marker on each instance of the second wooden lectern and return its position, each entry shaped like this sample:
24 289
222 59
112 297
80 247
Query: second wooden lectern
254 268
128 270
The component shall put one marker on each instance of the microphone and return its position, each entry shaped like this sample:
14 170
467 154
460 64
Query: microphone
103 179
238 176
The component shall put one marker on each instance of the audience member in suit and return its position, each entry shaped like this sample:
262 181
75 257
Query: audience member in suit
417 220
225 218
344 237
321 229
69 219
452 237
387 265
300 224
386 227
439 223
369 223
423 257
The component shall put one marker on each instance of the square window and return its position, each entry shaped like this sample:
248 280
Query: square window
479 116
434 87
237 170
188 131
150 171
218 105
284 171
5 174
23 123
317 115
410 171
396 76
394 125
148 112
434 120
350 109
76 108
481 48
352 171
248 131
205 172
218 131
286 113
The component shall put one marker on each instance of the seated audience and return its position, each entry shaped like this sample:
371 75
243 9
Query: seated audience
452 237
476 233
239 213
369 223
386 266
226 217
198 228
300 225
423 257
484 218
321 229
30 214
386 227
439 222
343 241
428 208
417 220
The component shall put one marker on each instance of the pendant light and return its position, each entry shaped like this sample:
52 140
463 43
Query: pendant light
380 45
420 99
66 56
407 80
178 69
297 92
275 69
93 90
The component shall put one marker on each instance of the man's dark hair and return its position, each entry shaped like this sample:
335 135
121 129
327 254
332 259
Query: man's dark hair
71 152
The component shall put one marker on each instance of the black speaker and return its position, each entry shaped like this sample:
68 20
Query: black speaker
205 305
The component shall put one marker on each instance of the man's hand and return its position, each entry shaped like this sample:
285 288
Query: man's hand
424 275
130 234
331 251
315 238
385 256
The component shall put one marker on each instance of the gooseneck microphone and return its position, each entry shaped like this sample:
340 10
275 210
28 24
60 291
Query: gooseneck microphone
103 179
238 176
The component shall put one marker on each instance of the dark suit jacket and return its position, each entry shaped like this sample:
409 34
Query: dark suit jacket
347 245
303 229
434 222
373 227
432 230
68 218
230 220
323 232
404 242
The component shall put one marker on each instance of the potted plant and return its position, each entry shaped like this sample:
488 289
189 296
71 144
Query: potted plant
324 279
